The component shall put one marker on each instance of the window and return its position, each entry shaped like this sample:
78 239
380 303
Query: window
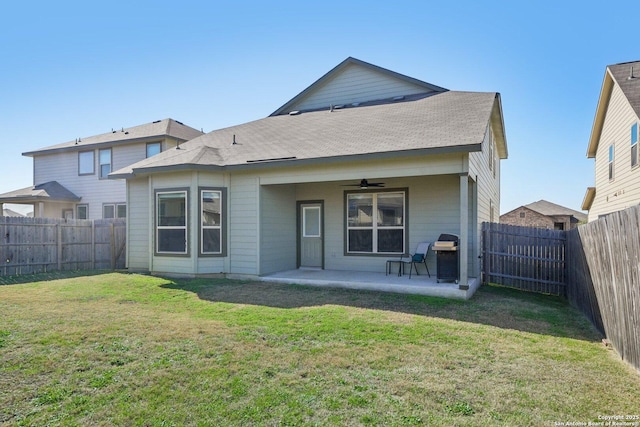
376 222
611 155
85 163
114 210
171 222
82 211
108 211
105 162
153 148
634 145
211 219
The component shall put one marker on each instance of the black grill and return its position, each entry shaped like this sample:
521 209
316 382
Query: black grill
448 264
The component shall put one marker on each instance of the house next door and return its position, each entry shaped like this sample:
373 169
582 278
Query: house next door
310 237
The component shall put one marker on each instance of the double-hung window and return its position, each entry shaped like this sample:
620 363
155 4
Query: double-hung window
105 162
376 222
211 221
171 222
634 145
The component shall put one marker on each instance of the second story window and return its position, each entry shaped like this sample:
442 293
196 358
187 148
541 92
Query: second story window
105 162
153 148
634 145
611 156
85 163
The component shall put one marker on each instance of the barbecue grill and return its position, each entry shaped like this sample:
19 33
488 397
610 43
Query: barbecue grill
446 249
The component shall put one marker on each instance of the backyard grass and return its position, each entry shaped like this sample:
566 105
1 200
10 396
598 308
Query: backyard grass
126 349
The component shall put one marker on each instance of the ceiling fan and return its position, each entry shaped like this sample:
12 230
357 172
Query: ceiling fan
365 184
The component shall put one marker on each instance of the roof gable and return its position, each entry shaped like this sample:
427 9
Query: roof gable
626 76
547 208
354 82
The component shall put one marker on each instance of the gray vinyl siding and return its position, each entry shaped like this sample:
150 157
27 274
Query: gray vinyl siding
243 224
139 225
63 168
278 238
356 84
624 190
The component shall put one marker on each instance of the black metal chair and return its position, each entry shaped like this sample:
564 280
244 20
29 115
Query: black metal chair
419 257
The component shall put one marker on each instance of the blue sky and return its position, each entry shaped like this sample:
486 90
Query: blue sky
73 69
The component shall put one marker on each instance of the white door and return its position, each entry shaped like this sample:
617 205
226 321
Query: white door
311 246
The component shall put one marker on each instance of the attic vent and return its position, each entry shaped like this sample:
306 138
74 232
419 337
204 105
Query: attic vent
180 123
294 113
157 121
631 76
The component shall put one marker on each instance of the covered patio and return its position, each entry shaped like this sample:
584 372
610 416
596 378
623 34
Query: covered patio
417 284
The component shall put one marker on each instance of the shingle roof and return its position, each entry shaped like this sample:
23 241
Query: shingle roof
446 121
620 74
549 209
158 129
630 86
51 190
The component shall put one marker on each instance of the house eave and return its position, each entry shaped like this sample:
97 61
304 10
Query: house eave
273 163
589 196
601 110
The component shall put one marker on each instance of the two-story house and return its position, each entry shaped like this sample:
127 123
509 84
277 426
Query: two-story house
614 143
360 167
70 179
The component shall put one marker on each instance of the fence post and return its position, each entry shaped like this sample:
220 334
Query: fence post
93 244
112 236
59 244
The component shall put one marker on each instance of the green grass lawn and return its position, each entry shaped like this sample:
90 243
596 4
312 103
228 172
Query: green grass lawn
125 349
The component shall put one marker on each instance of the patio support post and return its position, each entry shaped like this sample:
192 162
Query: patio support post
463 246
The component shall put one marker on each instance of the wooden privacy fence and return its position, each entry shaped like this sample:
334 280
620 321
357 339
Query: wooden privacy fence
531 259
595 266
39 245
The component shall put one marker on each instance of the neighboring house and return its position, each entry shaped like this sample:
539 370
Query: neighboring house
71 178
614 143
544 214
358 168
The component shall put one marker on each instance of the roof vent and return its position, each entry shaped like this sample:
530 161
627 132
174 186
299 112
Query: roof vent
631 76
157 121
398 98
294 113
234 140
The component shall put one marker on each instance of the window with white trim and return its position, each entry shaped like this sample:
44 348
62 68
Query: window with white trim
211 217
114 210
634 145
82 211
104 156
376 223
171 222
85 163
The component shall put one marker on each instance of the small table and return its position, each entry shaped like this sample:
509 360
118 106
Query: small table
400 266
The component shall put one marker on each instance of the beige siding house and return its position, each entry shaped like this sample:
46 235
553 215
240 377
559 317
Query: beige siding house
359 167
71 178
614 143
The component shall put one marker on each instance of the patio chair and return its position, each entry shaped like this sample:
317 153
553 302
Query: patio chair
419 257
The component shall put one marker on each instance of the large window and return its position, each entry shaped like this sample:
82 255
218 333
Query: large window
171 222
376 223
211 221
634 145
105 162
85 163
